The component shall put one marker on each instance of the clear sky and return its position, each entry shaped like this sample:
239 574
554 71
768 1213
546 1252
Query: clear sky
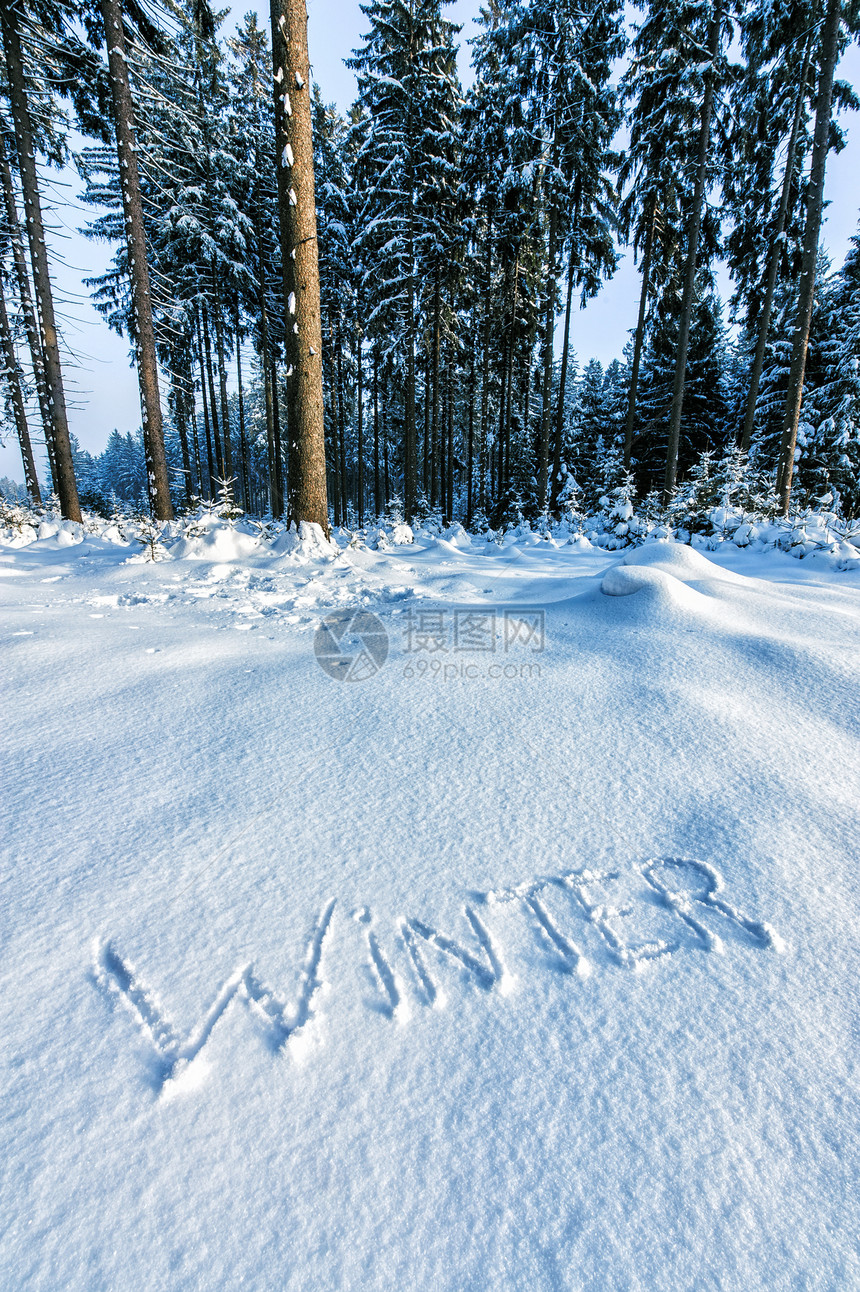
101 385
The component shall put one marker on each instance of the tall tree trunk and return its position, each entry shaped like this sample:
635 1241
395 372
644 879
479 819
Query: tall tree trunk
549 329
558 435
276 498
775 252
190 404
330 406
505 443
192 413
485 368
278 439
66 487
132 206
449 456
206 425
341 429
360 411
425 478
243 439
31 323
693 231
213 403
181 415
437 487
812 232
298 222
470 449
16 399
222 382
630 420
410 447
377 485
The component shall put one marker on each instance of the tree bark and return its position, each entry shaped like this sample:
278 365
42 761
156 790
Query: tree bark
132 205
213 403
180 413
243 439
17 401
812 232
222 382
470 450
776 249
31 323
377 485
640 335
66 487
558 435
693 232
437 458
206 427
298 222
276 435
341 429
549 329
485 369
360 413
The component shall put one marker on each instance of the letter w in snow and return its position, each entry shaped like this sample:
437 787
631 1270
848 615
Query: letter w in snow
174 1054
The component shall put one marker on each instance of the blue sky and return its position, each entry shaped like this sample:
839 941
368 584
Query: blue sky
101 385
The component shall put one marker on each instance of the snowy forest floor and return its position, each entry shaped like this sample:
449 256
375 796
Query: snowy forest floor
523 957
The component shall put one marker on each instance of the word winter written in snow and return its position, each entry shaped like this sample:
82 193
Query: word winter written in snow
579 918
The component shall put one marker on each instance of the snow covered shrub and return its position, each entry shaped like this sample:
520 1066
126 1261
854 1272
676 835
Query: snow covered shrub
149 535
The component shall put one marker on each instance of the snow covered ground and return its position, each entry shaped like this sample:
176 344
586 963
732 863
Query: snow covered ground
502 935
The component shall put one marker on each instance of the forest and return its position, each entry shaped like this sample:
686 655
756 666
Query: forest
456 233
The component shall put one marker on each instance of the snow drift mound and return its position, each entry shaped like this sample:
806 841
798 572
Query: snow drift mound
664 591
310 543
667 571
680 561
214 539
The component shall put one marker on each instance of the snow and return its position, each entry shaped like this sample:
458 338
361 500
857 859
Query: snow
526 968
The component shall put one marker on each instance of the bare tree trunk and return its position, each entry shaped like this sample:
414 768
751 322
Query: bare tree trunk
558 436
377 486
276 435
295 167
17 401
66 486
505 440
202 365
426 475
276 500
31 323
341 433
333 451
449 457
776 251
437 485
144 334
640 336
485 369
410 447
243 440
693 231
213 404
470 449
192 413
222 382
360 411
812 232
180 413
549 330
